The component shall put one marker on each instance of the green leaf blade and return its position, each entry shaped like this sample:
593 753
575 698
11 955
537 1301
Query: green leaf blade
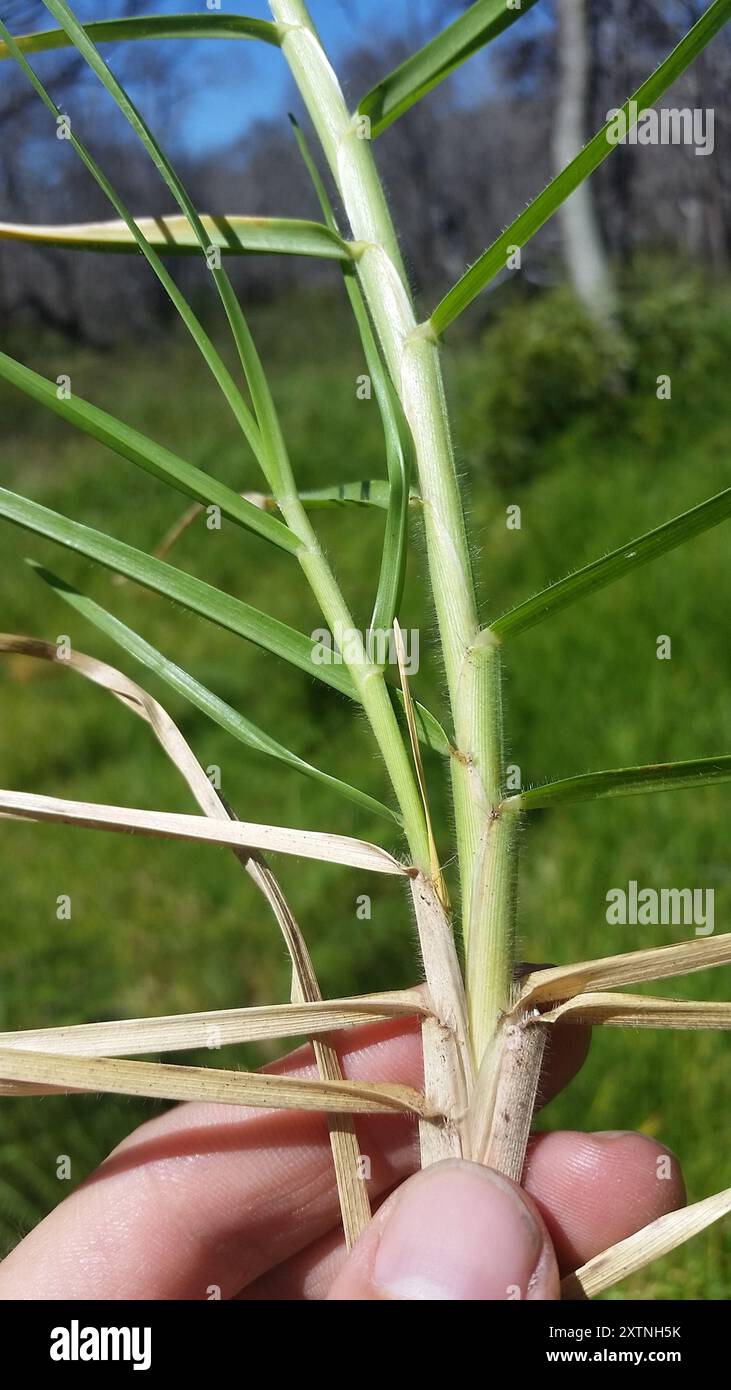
213 359
494 259
130 444
370 492
233 235
624 781
274 461
200 696
199 597
422 71
194 594
614 566
400 453
178 26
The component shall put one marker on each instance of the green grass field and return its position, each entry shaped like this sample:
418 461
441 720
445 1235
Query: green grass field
160 927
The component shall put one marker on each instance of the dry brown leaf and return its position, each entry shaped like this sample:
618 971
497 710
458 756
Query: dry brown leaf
305 844
521 1054
448 1072
633 967
352 1194
265 502
355 1207
640 1011
167 733
215 1028
445 1046
640 1249
169 1082
171 537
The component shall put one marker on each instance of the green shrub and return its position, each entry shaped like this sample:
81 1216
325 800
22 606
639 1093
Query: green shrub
547 369
544 364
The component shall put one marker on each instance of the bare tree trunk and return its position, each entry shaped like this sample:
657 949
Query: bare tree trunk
586 257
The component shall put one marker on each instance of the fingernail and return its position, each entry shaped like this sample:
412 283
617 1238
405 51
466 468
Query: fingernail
457 1231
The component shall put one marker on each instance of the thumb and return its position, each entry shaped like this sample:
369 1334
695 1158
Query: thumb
454 1231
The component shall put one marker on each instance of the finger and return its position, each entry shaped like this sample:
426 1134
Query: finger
210 1196
308 1276
454 1232
566 1050
207 1197
595 1189
591 1190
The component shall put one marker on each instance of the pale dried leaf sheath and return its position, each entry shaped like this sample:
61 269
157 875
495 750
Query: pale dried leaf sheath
641 1011
483 1098
305 844
633 967
640 1249
445 1046
440 1138
448 1074
169 1082
214 1028
521 1047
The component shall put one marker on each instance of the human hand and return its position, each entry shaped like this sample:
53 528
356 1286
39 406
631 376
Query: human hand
212 1201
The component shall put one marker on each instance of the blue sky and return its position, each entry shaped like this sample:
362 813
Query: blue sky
227 86
255 81
239 83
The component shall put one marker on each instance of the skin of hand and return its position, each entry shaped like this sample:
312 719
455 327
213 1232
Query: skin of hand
214 1201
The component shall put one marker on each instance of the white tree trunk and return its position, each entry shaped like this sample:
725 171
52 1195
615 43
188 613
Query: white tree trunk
583 248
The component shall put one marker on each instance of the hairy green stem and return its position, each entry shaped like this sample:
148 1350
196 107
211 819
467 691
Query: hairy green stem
373 692
491 950
471 660
367 676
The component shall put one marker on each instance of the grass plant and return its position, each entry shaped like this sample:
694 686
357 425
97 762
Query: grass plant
484 1026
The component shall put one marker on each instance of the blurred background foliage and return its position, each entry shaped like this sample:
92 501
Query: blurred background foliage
551 414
